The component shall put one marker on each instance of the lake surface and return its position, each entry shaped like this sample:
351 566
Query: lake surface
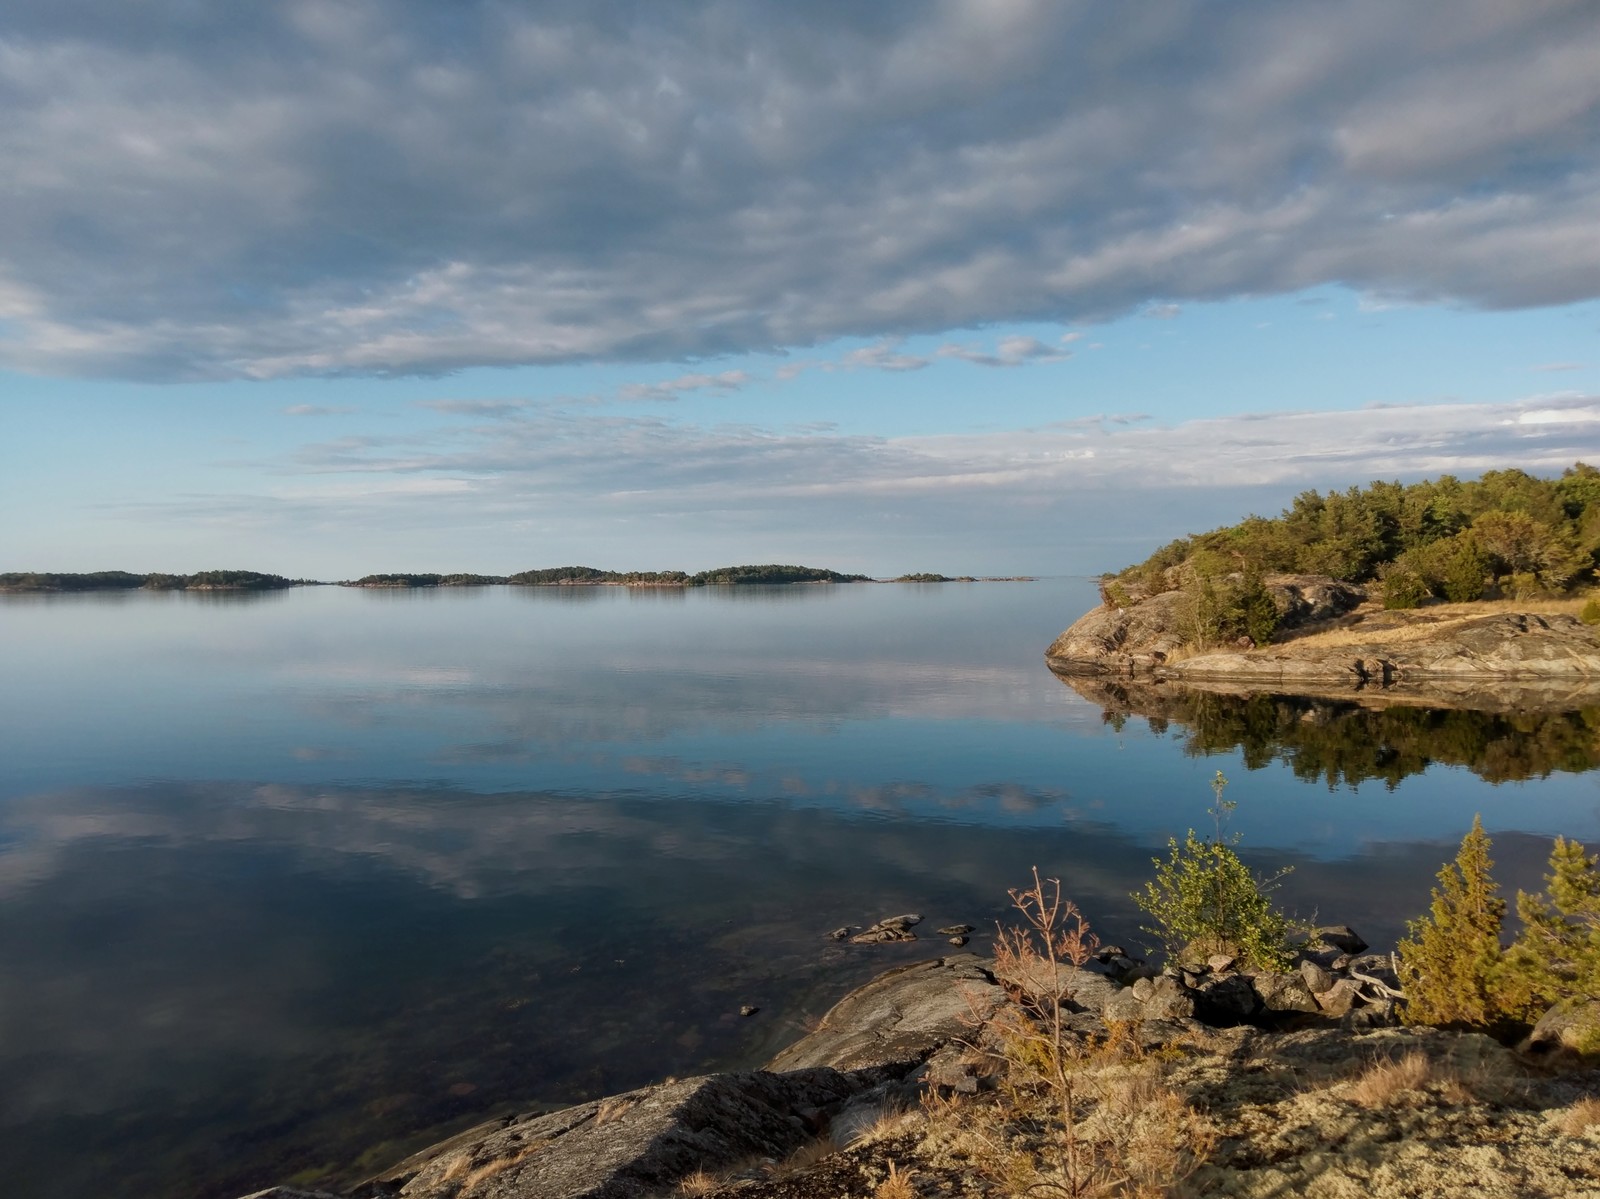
287 878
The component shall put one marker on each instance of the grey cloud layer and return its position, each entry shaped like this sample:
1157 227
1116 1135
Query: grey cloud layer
319 187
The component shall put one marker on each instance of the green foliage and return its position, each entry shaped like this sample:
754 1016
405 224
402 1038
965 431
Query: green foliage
1459 567
923 577
121 580
563 574
1453 968
1205 900
1221 608
1404 587
1557 955
773 573
1449 961
1458 536
398 580
1591 612
1258 615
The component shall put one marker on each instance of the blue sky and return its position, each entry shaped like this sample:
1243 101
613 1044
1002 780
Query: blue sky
993 286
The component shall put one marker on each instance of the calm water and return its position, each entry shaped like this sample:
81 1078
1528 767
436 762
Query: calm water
291 877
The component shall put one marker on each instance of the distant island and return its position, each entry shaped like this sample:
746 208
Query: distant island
724 576
122 580
48 582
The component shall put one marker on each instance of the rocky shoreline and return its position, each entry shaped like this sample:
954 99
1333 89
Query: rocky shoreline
1285 1070
1333 641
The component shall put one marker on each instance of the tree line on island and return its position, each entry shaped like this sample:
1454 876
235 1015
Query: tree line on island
559 576
1506 535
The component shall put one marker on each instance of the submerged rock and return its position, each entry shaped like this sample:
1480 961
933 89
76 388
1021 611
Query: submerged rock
890 928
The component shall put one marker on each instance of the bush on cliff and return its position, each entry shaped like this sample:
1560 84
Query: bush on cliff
1205 900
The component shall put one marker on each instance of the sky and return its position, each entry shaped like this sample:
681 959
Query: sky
973 286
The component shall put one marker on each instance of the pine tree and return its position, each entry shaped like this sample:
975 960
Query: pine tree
1558 954
1448 962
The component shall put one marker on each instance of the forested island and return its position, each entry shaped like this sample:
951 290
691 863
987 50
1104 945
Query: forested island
122 580
1441 586
1506 535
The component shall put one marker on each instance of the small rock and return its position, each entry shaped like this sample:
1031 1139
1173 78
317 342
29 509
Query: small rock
749 1009
1123 1008
1143 988
1571 1026
1218 962
1340 936
1168 1001
1128 971
1107 952
1376 965
839 934
1226 1000
1317 977
955 930
1340 997
958 940
1285 993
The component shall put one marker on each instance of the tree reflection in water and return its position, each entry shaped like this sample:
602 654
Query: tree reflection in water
1350 741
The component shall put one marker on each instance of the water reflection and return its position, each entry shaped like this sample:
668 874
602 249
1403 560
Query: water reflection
1353 740
209 988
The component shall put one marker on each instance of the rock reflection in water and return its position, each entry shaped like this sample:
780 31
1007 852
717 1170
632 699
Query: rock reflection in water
1350 740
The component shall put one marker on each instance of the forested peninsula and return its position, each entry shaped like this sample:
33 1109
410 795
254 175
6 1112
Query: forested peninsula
1443 582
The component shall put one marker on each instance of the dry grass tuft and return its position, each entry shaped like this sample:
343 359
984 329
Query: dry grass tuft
1580 1117
896 1186
803 1158
1384 1082
698 1185
614 1109
492 1169
1421 624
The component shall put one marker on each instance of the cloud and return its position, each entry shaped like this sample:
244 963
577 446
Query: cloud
1163 312
723 381
491 408
316 189
885 356
317 410
556 465
1558 366
1011 351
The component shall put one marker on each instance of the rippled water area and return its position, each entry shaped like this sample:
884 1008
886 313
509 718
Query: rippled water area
292 884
